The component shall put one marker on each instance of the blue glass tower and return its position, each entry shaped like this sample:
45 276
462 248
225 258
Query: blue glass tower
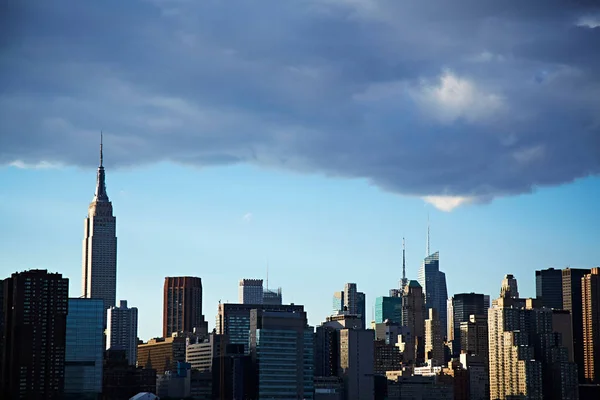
388 308
433 282
84 348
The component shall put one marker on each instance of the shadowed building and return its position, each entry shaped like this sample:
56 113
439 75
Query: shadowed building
35 306
572 301
548 288
591 325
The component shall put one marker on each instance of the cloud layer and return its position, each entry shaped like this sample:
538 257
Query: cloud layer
456 102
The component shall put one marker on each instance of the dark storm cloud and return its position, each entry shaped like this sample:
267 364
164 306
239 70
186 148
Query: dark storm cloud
471 99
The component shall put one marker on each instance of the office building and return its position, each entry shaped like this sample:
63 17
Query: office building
182 306
281 346
525 355
463 305
591 325
338 302
350 301
121 380
233 320
356 365
84 355
479 382
162 354
433 282
121 330
272 297
509 287
250 291
548 288
388 309
99 276
413 318
200 355
572 301
35 306
326 351
387 357
434 339
474 336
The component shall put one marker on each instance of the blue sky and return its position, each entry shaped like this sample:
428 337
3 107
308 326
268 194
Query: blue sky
335 126
316 233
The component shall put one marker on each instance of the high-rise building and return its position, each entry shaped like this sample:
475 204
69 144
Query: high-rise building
250 291
351 298
591 325
233 320
433 282
182 306
388 308
84 357
548 288
413 318
356 364
201 355
526 355
509 287
122 325
434 339
272 296
35 305
281 345
99 277
572 301
338 302
463 306
162 354
474 336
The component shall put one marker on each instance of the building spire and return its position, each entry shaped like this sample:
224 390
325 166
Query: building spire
101 157
101 195
404 281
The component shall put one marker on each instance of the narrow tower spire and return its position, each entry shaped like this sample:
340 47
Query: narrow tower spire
101 156
404 281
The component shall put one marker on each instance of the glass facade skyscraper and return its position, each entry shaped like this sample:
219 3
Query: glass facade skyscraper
84 349
388 308
433 282
548 288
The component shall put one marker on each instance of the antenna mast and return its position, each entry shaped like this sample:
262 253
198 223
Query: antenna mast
101 156
404 281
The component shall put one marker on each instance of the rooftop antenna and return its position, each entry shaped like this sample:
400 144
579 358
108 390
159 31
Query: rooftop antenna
404 281
427 249
267 275
101 157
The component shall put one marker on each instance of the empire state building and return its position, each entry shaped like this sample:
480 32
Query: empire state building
99 280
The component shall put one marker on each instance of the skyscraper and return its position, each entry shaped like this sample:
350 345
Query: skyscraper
572 301
509 287
413 317
122 325
250 291
99 277
182 306
548 287
433 282
35 306
434 339
272 296
84 357
463 306
352 302
591 325
388 308
281 345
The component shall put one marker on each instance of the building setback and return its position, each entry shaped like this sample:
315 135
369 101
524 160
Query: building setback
122 326
99 275
32 364
84 349
182 306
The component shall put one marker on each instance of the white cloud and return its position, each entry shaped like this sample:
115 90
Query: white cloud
454 97
247 218
589 21
40 165
448 203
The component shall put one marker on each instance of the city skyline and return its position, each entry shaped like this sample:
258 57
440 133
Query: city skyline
151 320
232 143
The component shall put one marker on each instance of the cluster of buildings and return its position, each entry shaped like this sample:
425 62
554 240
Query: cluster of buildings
422 343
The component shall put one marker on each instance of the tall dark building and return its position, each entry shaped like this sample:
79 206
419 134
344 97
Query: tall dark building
182 306
35 306
572 301
463 306
548 288
591 325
